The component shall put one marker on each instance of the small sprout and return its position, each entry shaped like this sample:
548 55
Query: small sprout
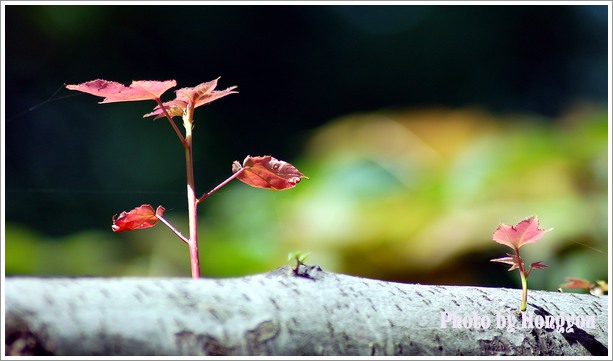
299 257
514 237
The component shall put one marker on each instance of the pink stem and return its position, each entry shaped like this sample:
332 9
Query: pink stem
192 201
524 282
207 195
174 126
172 228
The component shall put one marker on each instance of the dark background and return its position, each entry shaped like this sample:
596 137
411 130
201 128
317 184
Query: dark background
71 163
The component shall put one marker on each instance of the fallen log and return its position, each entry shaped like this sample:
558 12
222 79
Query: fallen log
303 311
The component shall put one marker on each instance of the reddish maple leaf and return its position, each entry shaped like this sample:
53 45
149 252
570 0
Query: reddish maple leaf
524 232
116 92
139 218
198 96
268 172
577 283
599 288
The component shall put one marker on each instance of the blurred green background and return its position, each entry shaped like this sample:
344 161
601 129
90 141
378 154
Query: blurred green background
421 128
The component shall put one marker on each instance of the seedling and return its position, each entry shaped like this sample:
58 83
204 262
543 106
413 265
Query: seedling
299 257
524 232
261 172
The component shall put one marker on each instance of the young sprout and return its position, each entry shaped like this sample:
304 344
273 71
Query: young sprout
299 257
514 237
261 172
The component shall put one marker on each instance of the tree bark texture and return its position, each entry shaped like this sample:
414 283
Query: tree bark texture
304 311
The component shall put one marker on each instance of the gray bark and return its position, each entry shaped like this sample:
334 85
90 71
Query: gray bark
287 312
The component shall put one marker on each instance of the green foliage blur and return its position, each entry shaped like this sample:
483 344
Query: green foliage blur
415 197
421 128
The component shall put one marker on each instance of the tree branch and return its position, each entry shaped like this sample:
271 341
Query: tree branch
289 312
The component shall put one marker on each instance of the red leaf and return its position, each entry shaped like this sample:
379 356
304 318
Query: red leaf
526 231
203 93
116 92
139 218
577 283
512 260
198 95
268 172
538 265
174 108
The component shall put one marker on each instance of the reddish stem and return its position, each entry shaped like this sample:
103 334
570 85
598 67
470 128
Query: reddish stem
191 193
207 195
192 202
172 228
524 282
174 126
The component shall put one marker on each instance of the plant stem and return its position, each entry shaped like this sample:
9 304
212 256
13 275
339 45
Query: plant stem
191 193
173 229
207 195
172 123
524 283
524 296
192 202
